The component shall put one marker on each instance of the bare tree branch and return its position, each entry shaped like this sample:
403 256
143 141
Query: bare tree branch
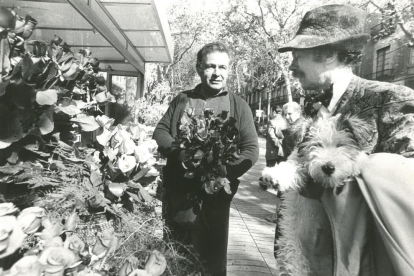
197 33
263 22
292 13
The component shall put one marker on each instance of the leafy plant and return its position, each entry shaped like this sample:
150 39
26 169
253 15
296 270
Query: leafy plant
45 86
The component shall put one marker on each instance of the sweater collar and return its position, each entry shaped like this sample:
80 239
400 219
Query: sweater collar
200 92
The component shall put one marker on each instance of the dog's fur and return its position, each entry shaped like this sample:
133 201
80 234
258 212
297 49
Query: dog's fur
331 152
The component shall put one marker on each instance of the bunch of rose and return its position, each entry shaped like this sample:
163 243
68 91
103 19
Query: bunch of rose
52 255
210 143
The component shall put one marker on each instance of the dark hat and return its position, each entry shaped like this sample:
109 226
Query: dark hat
338 26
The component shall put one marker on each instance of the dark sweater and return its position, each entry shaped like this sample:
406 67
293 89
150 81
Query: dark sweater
166 131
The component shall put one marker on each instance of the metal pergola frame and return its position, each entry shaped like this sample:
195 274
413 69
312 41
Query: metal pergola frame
124 34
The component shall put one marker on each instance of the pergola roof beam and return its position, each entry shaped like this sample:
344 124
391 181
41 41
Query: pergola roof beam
103 29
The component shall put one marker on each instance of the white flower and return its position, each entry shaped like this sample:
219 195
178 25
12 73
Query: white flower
104 121
151 162
30 219
142 154
56 259
7 209
127 147
110 152
28 265
95 157
151 144
153 172
126 163
11 235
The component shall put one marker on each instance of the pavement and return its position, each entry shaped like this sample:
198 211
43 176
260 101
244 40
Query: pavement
251 237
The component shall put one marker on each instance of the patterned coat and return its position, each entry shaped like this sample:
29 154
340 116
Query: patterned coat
336 231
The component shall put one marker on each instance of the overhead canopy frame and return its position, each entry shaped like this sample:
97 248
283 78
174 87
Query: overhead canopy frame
124 34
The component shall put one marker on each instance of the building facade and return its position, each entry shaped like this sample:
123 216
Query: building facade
387 57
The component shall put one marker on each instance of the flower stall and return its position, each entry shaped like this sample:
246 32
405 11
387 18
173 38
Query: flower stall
69 205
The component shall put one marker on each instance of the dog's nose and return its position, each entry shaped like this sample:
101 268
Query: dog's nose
328 168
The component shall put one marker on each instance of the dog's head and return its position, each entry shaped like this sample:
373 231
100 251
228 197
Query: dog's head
332 148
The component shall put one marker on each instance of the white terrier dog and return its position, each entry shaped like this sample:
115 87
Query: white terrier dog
331 152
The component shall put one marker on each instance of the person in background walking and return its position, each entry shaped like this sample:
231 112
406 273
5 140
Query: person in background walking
274 137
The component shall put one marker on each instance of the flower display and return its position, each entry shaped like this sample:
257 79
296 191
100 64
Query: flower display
48 96
211 143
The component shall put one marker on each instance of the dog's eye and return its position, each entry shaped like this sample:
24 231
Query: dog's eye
339 145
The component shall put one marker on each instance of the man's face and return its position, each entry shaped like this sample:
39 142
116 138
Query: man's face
311 74
213 71
291 115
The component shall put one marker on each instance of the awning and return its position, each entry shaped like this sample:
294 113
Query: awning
124 34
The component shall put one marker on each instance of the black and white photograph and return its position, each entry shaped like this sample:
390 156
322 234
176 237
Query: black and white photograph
206 138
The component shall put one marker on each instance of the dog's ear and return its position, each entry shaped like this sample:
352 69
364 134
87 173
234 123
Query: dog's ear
362 131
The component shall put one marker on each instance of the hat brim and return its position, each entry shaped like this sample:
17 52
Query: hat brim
352 43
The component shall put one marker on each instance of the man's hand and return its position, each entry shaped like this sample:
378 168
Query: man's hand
184 157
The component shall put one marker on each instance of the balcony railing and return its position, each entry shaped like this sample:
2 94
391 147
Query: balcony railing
384 75
383 29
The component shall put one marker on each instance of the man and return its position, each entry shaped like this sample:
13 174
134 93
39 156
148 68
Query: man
337 232
274 137
205 228
293 114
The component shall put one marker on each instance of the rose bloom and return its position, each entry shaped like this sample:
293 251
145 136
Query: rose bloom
76 245
103 243
7 209
56 259
156 263
26 266
128 267
11 236
30 219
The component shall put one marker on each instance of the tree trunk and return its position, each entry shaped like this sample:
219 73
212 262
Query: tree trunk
269 111
288 89
238 79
